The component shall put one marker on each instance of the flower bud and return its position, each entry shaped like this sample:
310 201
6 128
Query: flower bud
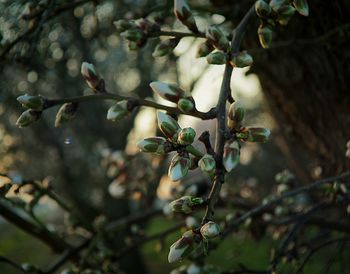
179 167
210 230
32 102
183 12
277 4
28 117
191 222
66 112
231 155
217 58
182 247
168 125
185 204
134 35
285 13
90 75
217 37
302 7
118 111
123 25
235 116
241 60
186 136
194 269
265 36
167 91
153 145
186 105
204 49
255 134
207 163
262 9
165 47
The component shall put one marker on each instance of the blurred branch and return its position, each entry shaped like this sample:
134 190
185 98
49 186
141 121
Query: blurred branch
12 263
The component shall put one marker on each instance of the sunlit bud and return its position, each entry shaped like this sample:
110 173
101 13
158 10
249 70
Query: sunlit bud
235 115
194 269
182 247
186 105
118 111
165 47
191 222
28 117
185 204
153 145
123 25
90 75
210 230
179 167
277 4
302 7
207 163
217 37
265 36
241 60
134 34
186 136
167 91
262 9
66 112
168 125
183 12
32 102
285 13
255 134
217 58
231 155
204 49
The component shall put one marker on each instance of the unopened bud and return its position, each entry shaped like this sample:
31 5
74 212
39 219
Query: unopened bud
186 136
118 111
277 4
262 9
134 35
153 145
183 12
179 167
186 105
167 91
165 47
185 204
231 155
204 49
90 75
285 13
28 117
182 247
123 25
302 7
265 36
217 37
66 112
207 163
255 134
210 230
32 102
168 125
241 60
217 58
191 222
235 116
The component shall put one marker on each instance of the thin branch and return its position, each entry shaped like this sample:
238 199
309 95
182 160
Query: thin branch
12 263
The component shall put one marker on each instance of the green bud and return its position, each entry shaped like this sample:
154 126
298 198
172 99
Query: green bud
207 163
235 116
204 49
168 125
153 145
28 117
262 9
165 47
302 7
210 230
231 155
186 136
285 13
90 75
241 60
217 37
277 4
32 102
123 25
134 35
185 204
186 105
179 167
182 247
255 134
265 36
217 58
183 12
118 111
66 112
167 91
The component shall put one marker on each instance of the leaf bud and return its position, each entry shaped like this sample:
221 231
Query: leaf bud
204 49
168 125
183 12
66 112
217 37
302 7
235 116
32 102
167 91
231 155
217 58
265 36
186 105
210 230
262 9
207 163
165 47
182 247
28 117
153 145
118 111
241 60
186 136
179 167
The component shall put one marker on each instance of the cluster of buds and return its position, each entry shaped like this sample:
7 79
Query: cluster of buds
92 78
35 105
165 47
183 246
66 112
183 12
173 93
118 111
185 204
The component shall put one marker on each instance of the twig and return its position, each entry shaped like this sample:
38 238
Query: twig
12 263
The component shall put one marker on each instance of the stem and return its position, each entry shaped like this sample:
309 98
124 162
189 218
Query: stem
191 149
